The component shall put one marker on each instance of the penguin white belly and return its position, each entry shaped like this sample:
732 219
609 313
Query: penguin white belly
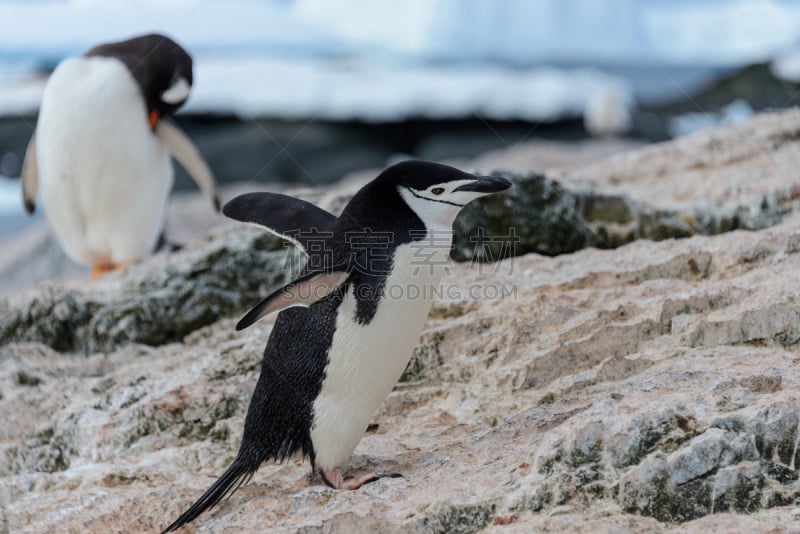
366 361
104 176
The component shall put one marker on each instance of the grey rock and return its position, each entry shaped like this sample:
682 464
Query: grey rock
711 450
155 303
776 428
576 398
642 435
464 519
542 215
714 471
536 215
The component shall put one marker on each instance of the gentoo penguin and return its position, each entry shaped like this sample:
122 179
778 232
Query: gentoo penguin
349 323
101 150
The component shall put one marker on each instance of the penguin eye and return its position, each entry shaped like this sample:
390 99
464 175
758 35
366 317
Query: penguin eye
437 190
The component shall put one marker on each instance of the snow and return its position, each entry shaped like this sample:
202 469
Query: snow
736 112
367 90
787 66
716 32
234 26
723 33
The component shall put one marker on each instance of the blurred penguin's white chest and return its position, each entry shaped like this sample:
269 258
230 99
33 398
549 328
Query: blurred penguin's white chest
366 361
104 176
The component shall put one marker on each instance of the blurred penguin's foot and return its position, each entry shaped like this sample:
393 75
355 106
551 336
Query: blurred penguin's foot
334 479
165 245
100 270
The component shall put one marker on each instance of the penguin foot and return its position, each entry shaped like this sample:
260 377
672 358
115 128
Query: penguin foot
335 479
164 244
100 270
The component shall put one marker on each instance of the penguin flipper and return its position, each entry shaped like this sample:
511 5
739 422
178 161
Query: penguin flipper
30 176
189 157
304 291
295 220
237 475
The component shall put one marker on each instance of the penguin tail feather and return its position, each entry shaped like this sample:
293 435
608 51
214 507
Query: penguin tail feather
237 475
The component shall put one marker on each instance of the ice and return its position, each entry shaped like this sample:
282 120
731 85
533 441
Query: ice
387 60
368 90
717 32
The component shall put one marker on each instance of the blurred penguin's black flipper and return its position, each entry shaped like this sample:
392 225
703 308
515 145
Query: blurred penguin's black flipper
237 475
30 176
295 220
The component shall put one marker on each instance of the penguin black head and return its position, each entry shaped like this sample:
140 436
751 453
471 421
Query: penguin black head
435 192
159 65
400 204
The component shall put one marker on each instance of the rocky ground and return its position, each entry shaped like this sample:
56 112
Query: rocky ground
648 388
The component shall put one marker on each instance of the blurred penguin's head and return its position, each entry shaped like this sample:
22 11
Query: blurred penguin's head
161 68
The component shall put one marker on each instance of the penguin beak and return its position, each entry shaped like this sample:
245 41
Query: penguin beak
485 184
153 119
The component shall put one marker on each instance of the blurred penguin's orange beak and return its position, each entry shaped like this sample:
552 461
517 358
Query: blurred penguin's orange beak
153 119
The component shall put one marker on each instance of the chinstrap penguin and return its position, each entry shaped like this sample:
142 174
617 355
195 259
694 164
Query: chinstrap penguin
100 154
348 324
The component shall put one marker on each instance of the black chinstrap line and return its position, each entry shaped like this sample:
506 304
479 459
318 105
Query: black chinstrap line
435 200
